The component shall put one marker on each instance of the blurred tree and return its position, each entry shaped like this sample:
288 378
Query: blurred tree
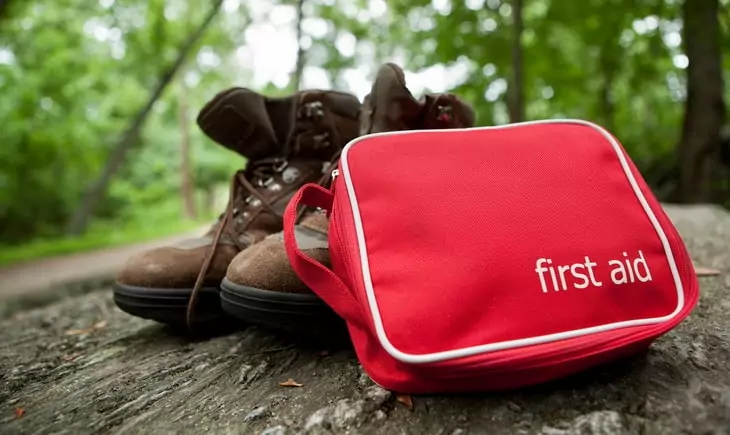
72 75
299 68
3 7
186 175
75 73
81 216
516 103
705 112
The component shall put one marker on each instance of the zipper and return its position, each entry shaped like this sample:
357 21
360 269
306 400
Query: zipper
345 247
335 174
549 358
565 354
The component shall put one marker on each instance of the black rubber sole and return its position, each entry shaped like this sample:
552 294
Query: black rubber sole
170 306
294 313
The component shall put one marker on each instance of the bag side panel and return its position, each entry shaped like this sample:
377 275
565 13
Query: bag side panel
690 283
431 237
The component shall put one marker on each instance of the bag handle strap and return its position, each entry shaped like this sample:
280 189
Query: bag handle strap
324 282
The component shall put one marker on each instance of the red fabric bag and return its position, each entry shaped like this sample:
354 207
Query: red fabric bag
491 258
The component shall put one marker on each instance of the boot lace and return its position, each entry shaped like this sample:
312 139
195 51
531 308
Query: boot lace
246 184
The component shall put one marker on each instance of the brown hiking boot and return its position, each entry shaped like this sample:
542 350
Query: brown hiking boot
260 285
304 135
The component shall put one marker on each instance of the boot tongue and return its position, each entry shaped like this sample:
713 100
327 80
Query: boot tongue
282 113
238 119
390 106
256 127
342 104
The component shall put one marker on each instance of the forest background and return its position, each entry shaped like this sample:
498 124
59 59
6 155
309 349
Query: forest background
98 98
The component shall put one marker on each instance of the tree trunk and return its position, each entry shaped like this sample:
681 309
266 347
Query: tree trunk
608 70
210 197
186 175
704 109
97 190
299 69
516 105
3 7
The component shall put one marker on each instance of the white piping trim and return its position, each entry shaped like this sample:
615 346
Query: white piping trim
473 350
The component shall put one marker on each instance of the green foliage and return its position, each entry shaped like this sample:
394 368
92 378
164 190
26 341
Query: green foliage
74 73
102 234
614 62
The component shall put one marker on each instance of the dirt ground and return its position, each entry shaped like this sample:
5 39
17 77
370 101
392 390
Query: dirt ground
79 365
27 283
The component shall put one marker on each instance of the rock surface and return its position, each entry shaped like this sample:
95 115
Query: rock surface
81 366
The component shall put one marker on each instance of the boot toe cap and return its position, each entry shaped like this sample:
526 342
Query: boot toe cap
173 267
266 266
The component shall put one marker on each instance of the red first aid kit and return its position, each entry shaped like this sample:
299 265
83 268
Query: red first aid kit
491 258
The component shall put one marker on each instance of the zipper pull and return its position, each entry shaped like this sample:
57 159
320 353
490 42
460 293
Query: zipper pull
335 174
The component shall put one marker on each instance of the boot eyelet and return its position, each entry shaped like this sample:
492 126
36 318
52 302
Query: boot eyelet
290 175
315 108
265 183
281 166
444 113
